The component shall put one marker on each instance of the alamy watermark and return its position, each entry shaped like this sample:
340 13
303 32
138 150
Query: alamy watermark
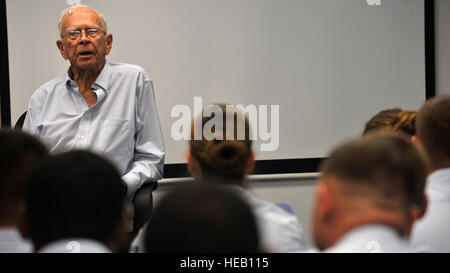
258 117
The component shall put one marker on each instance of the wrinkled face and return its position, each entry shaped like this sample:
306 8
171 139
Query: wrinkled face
85 52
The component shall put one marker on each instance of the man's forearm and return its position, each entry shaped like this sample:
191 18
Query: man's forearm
141 172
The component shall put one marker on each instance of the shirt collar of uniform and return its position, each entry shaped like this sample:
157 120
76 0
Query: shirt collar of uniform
364 238
75 246
438 184
10 233
12 241
102 80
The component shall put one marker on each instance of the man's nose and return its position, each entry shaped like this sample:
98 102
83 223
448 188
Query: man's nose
84 38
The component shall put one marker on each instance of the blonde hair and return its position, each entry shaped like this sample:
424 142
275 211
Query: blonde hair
395 119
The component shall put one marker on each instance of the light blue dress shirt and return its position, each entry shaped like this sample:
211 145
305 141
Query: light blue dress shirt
123 125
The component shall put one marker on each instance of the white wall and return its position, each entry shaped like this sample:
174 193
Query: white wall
442 24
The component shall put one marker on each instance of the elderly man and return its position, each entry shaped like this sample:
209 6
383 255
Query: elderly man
108 108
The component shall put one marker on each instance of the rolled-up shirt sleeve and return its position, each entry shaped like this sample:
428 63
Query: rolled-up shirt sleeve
148 164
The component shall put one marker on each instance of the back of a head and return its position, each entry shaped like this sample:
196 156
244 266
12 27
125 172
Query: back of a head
396 120
223 155
19 153
202 219
73 195
433 129
383 167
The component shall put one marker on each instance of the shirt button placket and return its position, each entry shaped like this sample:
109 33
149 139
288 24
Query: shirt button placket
84 128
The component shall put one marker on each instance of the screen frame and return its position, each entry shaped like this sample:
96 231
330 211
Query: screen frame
278 166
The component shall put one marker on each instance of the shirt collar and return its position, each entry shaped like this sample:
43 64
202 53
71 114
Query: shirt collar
105 76
439 176
10 232
102 80
438 184
75 245
359 239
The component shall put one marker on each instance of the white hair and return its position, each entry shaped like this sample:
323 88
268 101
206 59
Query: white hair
70 10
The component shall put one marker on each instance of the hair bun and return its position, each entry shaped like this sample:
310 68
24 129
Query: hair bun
227 156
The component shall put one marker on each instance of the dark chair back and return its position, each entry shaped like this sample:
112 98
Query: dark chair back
20 121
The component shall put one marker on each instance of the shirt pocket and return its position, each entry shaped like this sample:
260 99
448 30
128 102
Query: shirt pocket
115 136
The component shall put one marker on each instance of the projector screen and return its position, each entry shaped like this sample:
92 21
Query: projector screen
315 70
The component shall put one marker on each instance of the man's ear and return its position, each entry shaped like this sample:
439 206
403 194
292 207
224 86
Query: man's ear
60 46
415 213
416 140
192 167
322 216
109 41
325 200
250 163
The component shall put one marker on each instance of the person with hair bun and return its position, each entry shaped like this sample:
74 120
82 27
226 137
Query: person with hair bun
226 158
394 119
404 122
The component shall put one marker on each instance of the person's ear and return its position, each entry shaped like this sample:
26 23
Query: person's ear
60 46
325 201
415 213
192 168
322 216
416 140
109 41
250 163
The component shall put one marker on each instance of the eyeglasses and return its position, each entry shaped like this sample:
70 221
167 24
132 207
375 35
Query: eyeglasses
76 34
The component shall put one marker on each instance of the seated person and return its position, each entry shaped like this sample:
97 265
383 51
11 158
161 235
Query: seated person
202 219
19 153
402 121
394 119
74 204
226 162
364 195
432 232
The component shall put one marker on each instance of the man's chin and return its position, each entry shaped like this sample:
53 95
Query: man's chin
86 65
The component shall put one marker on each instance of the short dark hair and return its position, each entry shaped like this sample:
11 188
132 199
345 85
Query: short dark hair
202 219
387 163
433 129
394 119
19 153
73 195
